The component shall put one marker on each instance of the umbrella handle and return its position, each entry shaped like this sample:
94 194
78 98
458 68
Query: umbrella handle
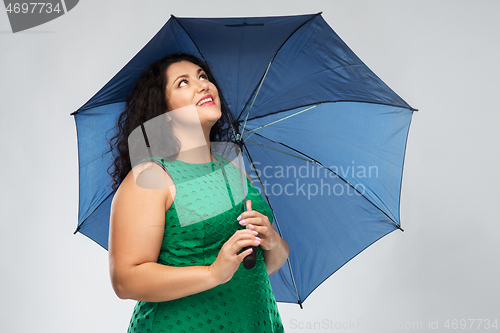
250 260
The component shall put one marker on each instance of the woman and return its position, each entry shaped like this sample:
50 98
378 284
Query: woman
188 277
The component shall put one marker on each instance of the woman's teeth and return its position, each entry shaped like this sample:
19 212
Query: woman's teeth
205 100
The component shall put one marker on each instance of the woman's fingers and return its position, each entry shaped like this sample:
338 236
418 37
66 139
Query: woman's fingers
228 260
241 239
244 243
253 223
258 222
245 253
242 234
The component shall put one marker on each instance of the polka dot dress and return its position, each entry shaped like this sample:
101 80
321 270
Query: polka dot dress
202 218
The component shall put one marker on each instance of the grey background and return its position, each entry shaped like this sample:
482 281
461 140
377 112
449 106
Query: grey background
442 57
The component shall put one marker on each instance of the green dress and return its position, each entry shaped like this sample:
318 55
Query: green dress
201 219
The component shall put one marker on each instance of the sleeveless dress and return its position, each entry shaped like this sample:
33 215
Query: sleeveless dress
201 219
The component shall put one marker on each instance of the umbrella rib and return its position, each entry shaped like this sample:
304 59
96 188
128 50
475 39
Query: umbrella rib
179 23
256 94
319 163
247 153
279 151
325 102
276 121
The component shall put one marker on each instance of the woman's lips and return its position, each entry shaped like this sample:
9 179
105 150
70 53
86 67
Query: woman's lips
206 101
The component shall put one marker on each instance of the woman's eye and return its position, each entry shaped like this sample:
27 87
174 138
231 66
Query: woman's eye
182 83
203 77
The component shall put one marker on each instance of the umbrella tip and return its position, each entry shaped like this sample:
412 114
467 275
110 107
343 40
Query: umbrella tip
77 229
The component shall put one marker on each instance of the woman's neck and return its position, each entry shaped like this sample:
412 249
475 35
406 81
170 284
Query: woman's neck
195 148
196 155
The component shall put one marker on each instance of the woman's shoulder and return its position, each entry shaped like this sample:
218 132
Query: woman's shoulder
146 180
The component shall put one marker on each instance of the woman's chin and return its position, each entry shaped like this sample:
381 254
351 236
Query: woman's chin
209 113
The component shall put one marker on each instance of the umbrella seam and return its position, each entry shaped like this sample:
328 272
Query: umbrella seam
276 121
260 144
191 38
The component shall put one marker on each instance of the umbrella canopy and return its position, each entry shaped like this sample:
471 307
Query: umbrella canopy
324 136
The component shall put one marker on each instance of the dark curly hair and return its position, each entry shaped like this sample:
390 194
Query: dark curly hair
147 100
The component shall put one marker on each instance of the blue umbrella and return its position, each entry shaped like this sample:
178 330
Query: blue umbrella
324 136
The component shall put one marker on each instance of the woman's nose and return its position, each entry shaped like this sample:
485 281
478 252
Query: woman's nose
203 85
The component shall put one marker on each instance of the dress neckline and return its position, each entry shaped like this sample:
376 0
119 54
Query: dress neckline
205 163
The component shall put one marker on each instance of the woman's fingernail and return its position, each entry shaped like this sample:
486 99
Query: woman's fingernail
257 241
257 238
239 218
250 250
255 232
242 222
250 225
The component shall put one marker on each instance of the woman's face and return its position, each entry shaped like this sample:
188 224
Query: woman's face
188 85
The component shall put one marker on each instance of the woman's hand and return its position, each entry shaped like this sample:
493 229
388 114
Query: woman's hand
275 248
228 260
254 220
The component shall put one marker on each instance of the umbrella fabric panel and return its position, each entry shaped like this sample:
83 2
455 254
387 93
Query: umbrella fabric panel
362 143
253 42
94 129
283 286
170 39
337 74
313 210
96 226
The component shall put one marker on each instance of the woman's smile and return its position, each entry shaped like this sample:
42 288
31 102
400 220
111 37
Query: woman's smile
206 100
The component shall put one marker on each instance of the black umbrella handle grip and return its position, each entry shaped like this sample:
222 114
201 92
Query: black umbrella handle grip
250 260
